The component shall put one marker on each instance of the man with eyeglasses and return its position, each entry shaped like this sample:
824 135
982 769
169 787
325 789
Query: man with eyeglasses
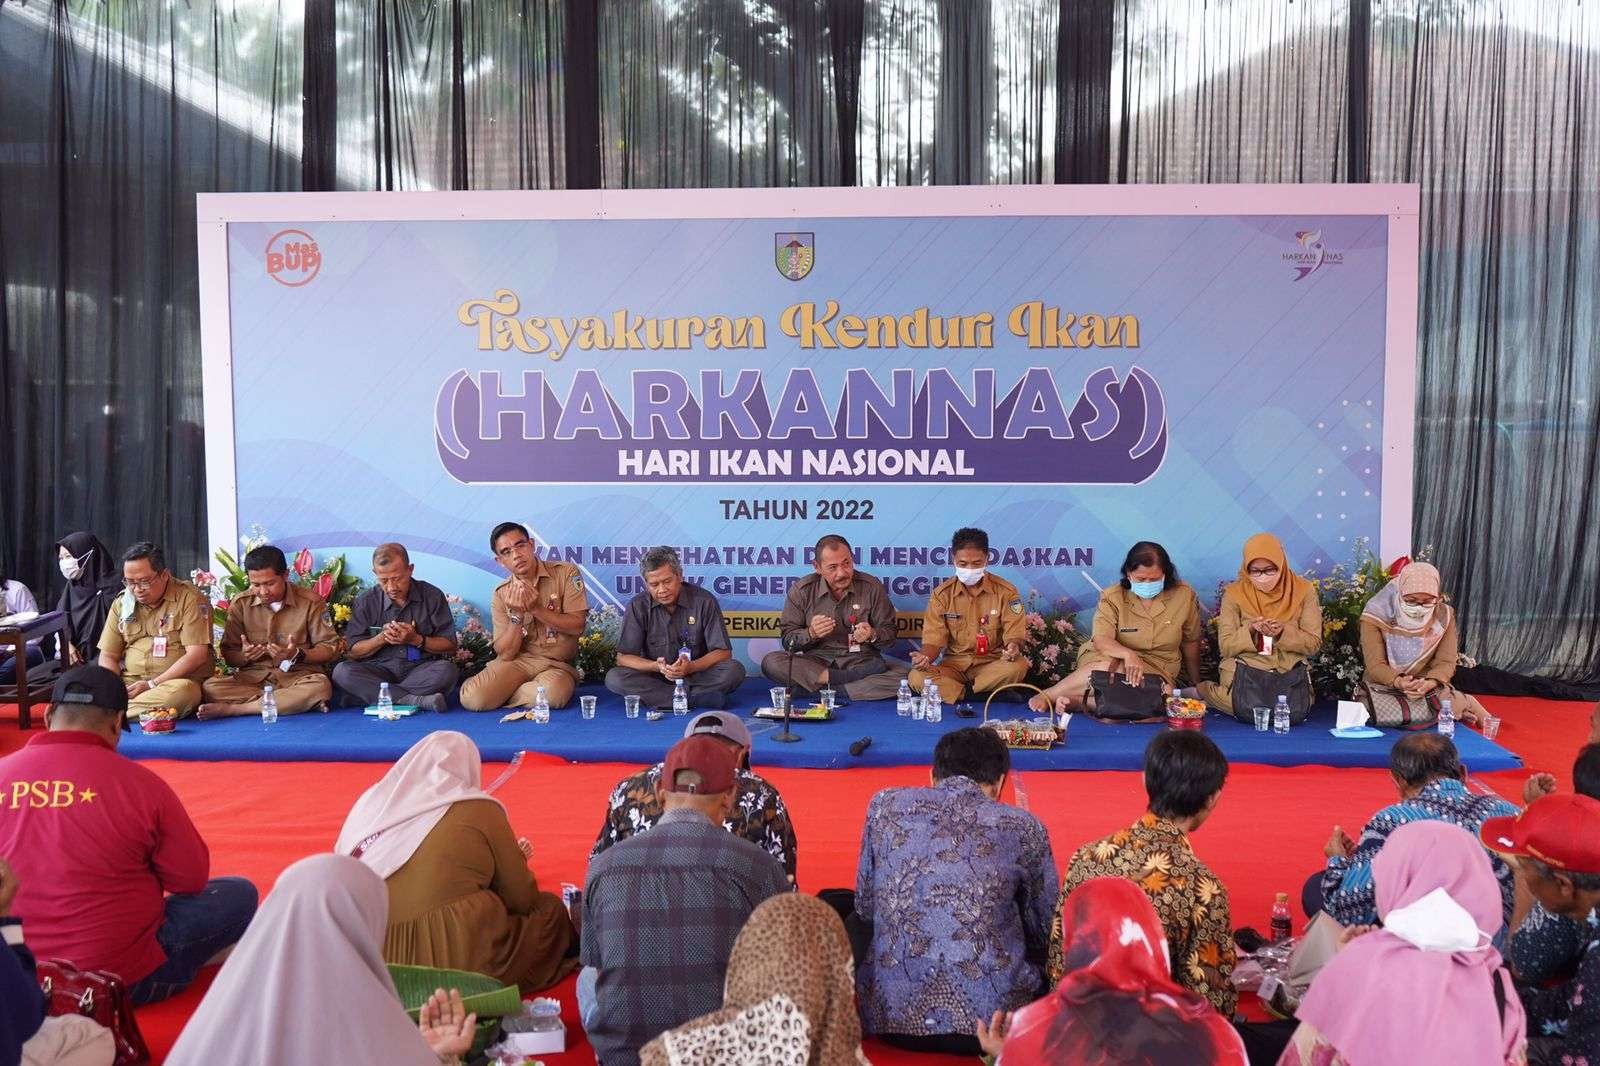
539 613
158 635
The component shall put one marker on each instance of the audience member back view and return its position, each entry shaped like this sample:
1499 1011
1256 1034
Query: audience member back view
113 872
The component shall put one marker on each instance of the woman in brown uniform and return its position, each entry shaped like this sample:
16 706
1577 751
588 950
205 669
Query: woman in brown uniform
1270 619
461 895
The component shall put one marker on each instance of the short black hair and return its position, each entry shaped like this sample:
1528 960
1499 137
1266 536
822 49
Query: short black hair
968 537
506 527
1586 771
1183 768
1418 758
1149 553
266 557
146 550
832 540
976 752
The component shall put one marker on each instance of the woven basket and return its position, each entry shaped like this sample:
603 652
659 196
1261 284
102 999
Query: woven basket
1002 688
480 994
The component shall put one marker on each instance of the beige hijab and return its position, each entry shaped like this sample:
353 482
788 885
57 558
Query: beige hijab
392 818
789 998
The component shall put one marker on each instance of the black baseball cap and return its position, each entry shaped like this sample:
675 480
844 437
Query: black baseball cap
94 686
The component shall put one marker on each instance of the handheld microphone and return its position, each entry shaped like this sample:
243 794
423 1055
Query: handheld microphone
861 745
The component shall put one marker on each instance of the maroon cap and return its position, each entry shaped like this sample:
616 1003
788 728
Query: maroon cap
1562 831
708 755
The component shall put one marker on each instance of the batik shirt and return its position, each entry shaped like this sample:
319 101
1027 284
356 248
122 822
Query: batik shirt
1348 892
1567 1015
1189 899
759 815
959 889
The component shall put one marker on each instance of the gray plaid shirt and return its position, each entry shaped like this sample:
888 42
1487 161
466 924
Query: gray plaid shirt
660 914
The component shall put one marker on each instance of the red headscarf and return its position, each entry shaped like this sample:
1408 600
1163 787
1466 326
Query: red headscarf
1117 1003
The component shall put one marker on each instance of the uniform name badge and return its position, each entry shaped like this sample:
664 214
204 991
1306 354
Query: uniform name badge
1266 644
158 647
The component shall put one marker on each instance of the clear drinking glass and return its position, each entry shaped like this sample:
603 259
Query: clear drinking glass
630 706
826 698
779 698
1263 718
1491 727
588 704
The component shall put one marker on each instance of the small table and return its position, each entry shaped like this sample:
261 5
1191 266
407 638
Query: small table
32 684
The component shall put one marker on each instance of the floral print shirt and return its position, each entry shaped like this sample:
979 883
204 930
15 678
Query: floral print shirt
1564 1020
959 889
1189 899
759 814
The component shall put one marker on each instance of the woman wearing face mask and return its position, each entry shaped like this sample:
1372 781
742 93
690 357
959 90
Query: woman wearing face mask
15 598
1270 619
1148 623
94 581
1409 645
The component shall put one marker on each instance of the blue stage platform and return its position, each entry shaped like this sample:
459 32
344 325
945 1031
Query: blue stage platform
349 736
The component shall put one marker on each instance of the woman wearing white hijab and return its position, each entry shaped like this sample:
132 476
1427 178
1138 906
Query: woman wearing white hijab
461 895
314 945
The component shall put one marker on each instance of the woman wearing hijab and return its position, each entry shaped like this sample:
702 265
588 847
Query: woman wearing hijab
1270 619
461 895
314 947
94 580
1117 1004
1428 987
789 998
1409 645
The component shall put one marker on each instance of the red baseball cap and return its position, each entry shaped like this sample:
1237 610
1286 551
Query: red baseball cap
708 755
1562 831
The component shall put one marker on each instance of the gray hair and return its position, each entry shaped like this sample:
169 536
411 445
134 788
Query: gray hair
1581 882
657 557
384 554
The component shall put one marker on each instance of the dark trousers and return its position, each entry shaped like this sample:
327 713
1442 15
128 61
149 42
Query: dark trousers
707 690
8 665
195 929
359 679
1311 895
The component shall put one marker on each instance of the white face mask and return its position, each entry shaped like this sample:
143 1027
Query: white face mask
1436 922
71 568
969 576
1416 612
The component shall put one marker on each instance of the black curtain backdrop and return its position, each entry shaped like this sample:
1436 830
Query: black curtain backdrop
114 113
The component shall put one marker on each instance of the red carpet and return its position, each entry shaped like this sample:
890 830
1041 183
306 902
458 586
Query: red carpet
1266 836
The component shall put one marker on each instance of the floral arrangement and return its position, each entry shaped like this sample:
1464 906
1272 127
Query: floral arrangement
597 648
337 588
1052 641
474 641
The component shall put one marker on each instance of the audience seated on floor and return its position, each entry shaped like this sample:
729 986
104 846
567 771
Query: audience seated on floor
157 636
758 813
957 888
1428 774
1546 946
461 896
1183 776
94 581
113 873
789 996
1116 1003
308 984
661 910
1423 988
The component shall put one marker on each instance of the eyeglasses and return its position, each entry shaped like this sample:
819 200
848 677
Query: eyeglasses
142 586
1263 573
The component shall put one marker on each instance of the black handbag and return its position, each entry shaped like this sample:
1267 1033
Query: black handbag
1117 701
1254 687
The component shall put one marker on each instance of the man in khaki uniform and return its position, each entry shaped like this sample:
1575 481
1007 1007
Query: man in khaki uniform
277 633
539 613
976 620
838 622
158 635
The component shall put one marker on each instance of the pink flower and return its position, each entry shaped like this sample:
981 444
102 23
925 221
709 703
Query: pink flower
463 655
325 586
1035 619
1062 627
474 626
1051 653
202 578
302 562
222 605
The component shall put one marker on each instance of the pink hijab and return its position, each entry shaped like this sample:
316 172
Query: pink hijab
1408 644
1382 992
307 983
393 817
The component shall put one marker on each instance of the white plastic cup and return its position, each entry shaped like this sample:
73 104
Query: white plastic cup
588 704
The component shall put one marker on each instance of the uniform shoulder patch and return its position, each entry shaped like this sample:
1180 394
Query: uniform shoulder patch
1016 606
577 580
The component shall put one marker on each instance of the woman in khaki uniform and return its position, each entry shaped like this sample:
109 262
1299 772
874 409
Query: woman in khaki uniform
1270 619
1147 623
461 895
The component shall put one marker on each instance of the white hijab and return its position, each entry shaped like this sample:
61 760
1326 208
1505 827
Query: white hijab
315 946
394 816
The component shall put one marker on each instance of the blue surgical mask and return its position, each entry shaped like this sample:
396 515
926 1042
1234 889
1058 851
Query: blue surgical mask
1147 590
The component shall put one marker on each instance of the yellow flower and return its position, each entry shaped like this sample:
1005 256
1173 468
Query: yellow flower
341 612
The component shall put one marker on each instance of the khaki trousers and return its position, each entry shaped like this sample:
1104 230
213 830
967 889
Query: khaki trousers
515 683
956 673
296 691
182 694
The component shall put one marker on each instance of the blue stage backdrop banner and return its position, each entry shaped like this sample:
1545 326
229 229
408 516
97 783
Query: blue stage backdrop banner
737 374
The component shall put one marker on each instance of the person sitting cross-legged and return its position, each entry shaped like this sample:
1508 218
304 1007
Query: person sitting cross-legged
673 631
157 636
402 634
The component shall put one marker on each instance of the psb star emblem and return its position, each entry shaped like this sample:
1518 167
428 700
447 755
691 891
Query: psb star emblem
794 254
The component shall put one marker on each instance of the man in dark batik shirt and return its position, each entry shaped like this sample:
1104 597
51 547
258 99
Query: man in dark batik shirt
758 815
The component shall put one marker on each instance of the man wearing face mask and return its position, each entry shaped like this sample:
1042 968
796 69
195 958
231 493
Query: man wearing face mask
975 622
158 635
277 633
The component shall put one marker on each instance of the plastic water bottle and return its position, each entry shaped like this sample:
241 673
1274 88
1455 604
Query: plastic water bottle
934 711
385 701
269 705
919 706
903 699
1281 923
680 698
1280 715
541 706
1447 717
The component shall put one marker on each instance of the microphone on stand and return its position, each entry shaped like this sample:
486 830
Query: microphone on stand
786 737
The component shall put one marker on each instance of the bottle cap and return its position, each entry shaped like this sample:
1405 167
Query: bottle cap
1283 897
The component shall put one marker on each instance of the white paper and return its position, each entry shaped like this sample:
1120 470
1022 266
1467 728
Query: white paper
1352 714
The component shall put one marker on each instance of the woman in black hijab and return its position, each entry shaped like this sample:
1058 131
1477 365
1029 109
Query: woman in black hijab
94 579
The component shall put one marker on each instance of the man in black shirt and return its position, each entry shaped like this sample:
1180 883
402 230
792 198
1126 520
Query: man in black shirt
672 632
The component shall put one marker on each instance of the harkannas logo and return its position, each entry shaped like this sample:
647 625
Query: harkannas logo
1312 255
293 258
